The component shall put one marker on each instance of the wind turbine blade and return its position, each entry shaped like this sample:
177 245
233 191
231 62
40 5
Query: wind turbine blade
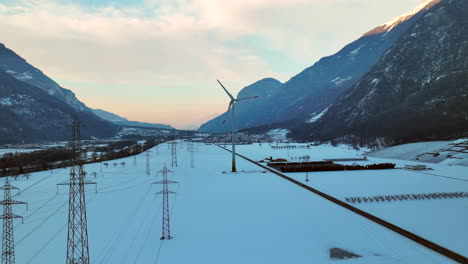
230 95
246 98
229 108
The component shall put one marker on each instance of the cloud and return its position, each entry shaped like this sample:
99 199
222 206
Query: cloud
179 47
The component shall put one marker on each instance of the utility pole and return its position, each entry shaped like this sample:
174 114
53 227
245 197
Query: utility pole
134 160
8 241
77 239
166 227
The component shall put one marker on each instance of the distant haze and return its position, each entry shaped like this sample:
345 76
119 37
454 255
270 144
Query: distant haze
158 60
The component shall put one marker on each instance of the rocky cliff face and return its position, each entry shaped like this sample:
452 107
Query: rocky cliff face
417 90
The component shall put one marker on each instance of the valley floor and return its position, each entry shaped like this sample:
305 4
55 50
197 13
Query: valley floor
246 217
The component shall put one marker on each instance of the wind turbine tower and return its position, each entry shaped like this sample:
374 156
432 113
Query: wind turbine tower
232 104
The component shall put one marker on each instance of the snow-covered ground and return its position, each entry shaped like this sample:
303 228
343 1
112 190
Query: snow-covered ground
443 152
13 151
250 217
441 221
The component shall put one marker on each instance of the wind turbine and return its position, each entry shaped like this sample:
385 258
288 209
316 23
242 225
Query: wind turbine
232 103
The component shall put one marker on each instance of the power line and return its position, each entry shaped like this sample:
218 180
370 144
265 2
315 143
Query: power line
77 239
166 227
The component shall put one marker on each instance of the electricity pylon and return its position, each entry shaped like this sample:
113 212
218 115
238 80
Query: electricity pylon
77 239
8 241
166 227
174 152
191 148
148 163
173 144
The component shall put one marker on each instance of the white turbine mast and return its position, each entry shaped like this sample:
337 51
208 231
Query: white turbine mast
231 105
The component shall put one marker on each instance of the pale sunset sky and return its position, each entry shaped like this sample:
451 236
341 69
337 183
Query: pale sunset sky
158 60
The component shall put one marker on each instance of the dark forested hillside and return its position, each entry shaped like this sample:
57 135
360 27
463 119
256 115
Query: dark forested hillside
29 114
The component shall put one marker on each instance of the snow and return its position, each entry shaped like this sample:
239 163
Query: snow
356 51
278 134
316 117
24 76
6 101
7 150
339 81
438 220
443 152
231 218
397 20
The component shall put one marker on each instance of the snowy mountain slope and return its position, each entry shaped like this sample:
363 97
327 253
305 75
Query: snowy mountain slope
16 66
19 68
29 114
215 218
108 115
316 87
425 4
118 120
418 90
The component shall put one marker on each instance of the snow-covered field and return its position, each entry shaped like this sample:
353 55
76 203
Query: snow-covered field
442 221
13 151
443 152
250 217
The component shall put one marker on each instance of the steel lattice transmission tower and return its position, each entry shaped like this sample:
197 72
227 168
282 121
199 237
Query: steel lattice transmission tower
174 149
174 152
191 148
148 163
77 240
166 227
8 241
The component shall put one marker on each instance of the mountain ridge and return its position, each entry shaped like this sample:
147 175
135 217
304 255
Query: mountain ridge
316 87
29 114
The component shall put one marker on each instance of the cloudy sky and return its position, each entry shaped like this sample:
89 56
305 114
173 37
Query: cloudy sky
158 60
